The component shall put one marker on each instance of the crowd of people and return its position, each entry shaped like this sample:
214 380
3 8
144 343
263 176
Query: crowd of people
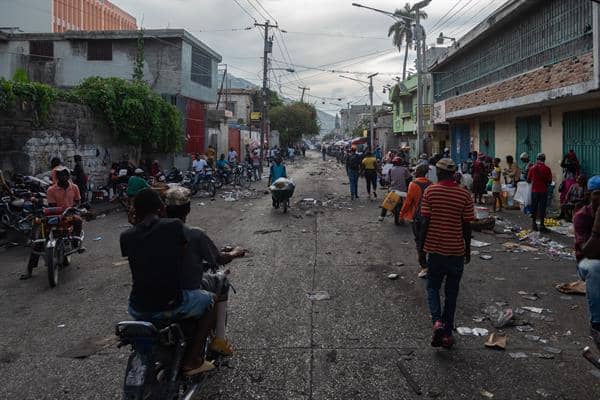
439 199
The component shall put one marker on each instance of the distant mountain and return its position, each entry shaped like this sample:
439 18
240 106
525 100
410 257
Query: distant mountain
326 120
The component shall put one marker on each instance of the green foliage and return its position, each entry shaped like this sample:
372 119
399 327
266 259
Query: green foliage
20 75
294 121
33 95
138 68
138 115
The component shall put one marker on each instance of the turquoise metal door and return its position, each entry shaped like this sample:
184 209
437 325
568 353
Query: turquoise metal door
487 138
461 143
529 136
581 132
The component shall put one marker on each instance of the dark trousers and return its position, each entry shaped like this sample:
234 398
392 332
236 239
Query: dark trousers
353 178
539 202
440 267
371 178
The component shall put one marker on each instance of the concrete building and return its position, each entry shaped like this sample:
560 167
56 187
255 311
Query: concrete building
403 97
525 80
64 15
176 65
351 117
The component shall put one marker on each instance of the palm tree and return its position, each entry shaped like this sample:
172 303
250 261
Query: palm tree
401 30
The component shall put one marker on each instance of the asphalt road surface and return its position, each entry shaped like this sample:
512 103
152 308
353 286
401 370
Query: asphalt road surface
370 340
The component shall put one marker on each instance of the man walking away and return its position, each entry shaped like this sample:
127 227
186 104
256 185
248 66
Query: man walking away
411 209
447 211
586 223
540 177
369 167
352 167
324 151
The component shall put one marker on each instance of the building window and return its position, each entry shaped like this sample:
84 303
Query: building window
201 67
231 106
99 50
407 105
41 50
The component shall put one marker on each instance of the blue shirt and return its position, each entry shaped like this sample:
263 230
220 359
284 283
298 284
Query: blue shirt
278 171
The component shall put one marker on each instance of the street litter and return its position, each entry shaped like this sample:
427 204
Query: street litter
536 310
525 328
399 264
393 276
477 243
485 257
496 340
552 350
119 263
266 231
90 346
528 296
61 326
504 318
543 393
577 287
474 253
533 338
96 239
517 355
318 296
486 394
464 331
498 278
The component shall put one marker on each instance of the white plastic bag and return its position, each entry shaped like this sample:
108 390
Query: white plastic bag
523 193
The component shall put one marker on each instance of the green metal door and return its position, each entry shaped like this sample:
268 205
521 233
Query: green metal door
487 138
581 132
529 136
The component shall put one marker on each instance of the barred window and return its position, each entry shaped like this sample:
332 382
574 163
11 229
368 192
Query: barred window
41 50
99 50
201 67
549 32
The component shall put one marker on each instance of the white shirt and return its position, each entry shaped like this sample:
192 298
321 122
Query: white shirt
199 165
432 174
232 156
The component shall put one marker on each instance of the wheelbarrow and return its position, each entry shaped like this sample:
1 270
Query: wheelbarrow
281 192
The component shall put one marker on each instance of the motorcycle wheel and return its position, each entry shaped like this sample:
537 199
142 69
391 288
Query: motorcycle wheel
397 216
219 182
34 259
212 189
194 189
53 259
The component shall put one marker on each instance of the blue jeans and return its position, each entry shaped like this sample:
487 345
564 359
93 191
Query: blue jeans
353 177
589 271
440 267
195 303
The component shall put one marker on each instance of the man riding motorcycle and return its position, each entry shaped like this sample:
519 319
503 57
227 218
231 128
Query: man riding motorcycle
156 248
65 194
200 249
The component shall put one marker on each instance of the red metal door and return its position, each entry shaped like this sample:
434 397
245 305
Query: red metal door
195 127
235 140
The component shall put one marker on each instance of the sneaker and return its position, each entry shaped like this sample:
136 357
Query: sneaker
422 273
200 369
447 341
438 332
221 346
380 218
374 195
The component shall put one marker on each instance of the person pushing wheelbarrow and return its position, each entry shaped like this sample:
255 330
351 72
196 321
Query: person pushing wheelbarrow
281 187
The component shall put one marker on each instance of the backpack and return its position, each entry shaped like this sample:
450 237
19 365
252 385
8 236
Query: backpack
354 162
423 186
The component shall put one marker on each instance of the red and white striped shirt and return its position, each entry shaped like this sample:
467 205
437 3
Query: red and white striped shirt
448 206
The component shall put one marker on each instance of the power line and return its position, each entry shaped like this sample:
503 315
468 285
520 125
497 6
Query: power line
257 10
439 21
265 10
452 17
245 11
464 26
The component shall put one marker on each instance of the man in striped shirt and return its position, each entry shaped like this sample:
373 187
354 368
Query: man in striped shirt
447 211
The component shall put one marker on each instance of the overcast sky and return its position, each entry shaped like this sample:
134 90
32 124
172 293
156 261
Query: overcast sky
330 34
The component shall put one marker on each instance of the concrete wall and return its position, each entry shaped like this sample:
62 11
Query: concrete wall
73 129
192 89
28 15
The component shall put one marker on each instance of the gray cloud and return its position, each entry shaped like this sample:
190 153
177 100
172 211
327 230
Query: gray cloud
242 49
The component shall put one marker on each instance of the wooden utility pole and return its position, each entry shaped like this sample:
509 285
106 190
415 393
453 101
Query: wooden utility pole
303 90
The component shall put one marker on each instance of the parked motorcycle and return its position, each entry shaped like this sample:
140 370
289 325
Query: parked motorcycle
52 238
16 210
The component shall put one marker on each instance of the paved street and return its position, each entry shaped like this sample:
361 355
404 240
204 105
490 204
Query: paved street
369 341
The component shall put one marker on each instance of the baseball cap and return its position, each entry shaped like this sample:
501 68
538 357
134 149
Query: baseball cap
524 155
446 164
594 183
177 196
139 171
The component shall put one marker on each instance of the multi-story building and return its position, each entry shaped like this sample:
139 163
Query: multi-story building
64 15
350 118
177 66
525 80
403 97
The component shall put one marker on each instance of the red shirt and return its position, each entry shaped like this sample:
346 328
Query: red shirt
540 177
448 206
583 221
64 198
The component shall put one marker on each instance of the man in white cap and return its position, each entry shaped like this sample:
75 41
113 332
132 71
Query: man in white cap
136 183
446 214
201 251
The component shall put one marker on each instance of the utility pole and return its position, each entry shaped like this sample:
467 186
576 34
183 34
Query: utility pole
419 83
348 122
372 125
268 48
303 90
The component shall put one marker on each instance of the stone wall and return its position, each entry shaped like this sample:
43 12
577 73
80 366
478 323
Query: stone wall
565 73
72 129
